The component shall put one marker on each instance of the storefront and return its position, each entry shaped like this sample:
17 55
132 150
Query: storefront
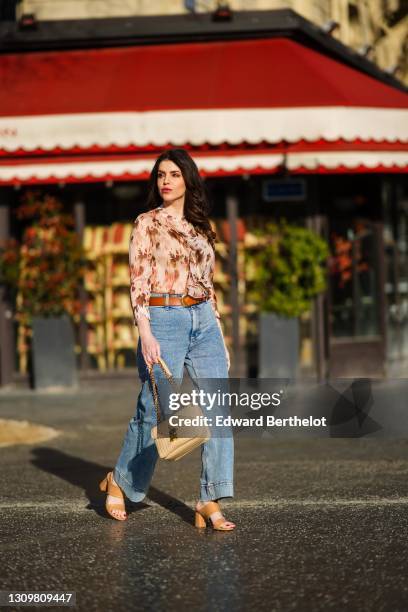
258 115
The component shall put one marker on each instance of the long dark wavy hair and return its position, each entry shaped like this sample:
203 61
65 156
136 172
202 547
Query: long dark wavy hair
196 203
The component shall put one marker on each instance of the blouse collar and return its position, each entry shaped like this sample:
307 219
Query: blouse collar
176 218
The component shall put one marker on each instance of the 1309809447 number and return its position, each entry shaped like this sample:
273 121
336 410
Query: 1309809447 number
27 598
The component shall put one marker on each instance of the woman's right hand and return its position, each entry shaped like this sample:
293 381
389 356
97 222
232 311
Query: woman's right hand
149 345
150 348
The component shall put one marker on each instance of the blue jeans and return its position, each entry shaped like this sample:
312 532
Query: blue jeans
188 336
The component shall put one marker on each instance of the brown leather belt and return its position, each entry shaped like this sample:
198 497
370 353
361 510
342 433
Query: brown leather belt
175 300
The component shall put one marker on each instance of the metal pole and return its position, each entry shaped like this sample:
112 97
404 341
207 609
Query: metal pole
319 330
239 367
7 344
381 296
84 363
355 293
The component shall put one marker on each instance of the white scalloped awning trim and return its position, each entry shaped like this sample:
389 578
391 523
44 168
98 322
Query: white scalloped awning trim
99 169
197 127
348 159
209 165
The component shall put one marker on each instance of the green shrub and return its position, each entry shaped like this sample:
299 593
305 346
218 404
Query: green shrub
288 270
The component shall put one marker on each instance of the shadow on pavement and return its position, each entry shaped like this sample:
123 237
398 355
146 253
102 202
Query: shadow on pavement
86 475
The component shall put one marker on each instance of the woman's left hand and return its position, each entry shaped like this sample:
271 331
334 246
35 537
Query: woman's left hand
228 357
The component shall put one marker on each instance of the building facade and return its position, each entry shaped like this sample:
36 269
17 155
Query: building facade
267 108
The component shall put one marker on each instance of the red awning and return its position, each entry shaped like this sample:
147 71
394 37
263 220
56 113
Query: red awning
240 106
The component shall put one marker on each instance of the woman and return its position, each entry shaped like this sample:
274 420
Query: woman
171 258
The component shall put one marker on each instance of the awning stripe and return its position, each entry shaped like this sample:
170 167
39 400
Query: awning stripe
197 127
214 165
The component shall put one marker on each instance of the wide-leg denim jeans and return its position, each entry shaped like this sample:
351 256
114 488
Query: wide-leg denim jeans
188 336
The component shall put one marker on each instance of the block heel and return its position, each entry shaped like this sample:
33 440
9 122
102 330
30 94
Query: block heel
199 520
103 486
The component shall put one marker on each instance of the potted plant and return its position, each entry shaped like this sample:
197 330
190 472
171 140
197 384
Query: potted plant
43 272
287 271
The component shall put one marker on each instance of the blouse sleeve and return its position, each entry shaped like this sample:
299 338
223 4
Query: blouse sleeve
210 285
213 301
140 266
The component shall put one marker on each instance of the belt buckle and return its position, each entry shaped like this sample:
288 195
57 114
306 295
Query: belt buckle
182 299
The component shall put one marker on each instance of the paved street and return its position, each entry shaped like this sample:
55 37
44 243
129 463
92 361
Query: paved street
321 523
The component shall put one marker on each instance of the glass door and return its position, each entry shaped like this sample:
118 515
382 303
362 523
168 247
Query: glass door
356 304
395 200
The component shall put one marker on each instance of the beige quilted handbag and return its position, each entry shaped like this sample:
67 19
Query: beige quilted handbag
170 445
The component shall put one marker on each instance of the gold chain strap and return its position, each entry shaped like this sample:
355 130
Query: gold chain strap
169 377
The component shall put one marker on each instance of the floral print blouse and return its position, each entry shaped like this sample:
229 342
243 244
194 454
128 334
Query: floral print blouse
168 255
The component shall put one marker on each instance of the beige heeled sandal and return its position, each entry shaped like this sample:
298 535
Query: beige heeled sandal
112 489
211 511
